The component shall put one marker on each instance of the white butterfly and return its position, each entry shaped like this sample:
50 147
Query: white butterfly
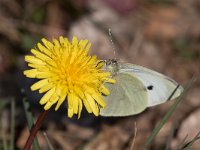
135 89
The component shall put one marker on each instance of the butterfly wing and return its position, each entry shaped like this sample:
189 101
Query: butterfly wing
159 86
128 96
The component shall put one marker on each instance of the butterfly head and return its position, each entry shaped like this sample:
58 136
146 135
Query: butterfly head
112 66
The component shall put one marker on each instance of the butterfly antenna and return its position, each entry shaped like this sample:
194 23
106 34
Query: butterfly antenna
113 45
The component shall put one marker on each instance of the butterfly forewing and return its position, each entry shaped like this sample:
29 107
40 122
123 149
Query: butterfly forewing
159 86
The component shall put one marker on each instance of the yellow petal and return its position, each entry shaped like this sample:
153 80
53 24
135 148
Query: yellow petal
48 44
110 80
39 84
47 106
88 47
104 90
70 112
40 55
46 88
74 41
79 92
53 100
32 73
75 104
103 74
70 98
99 100
34 60
83 43
62 40
93 105
51 63
44 49
66 42
38 67
93 59
89 89
61 100
80 105
56 42
42 75
87 105
47 96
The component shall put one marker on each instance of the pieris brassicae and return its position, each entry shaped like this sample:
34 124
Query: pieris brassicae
135 89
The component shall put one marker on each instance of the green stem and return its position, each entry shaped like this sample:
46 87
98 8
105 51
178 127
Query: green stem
34 130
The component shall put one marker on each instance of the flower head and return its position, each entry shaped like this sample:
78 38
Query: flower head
67 72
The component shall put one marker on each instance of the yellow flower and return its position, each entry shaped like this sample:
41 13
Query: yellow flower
66 71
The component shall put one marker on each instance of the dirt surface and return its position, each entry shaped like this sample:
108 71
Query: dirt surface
163 36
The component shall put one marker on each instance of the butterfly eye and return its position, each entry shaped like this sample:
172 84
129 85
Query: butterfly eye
114 61
150 87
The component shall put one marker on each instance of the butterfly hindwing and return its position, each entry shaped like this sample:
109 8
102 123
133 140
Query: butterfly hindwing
128 96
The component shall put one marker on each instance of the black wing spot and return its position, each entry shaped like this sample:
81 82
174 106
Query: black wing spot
150 87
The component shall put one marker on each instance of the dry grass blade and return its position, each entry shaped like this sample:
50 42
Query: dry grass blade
183 142
188 145
3 134
12 125
135 134
48 141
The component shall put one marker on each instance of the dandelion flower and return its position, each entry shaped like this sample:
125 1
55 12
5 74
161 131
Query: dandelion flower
65 71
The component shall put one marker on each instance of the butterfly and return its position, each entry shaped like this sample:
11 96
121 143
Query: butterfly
136 88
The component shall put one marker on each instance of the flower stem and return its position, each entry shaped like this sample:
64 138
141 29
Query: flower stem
34 130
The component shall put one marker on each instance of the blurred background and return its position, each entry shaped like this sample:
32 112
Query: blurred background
163 35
